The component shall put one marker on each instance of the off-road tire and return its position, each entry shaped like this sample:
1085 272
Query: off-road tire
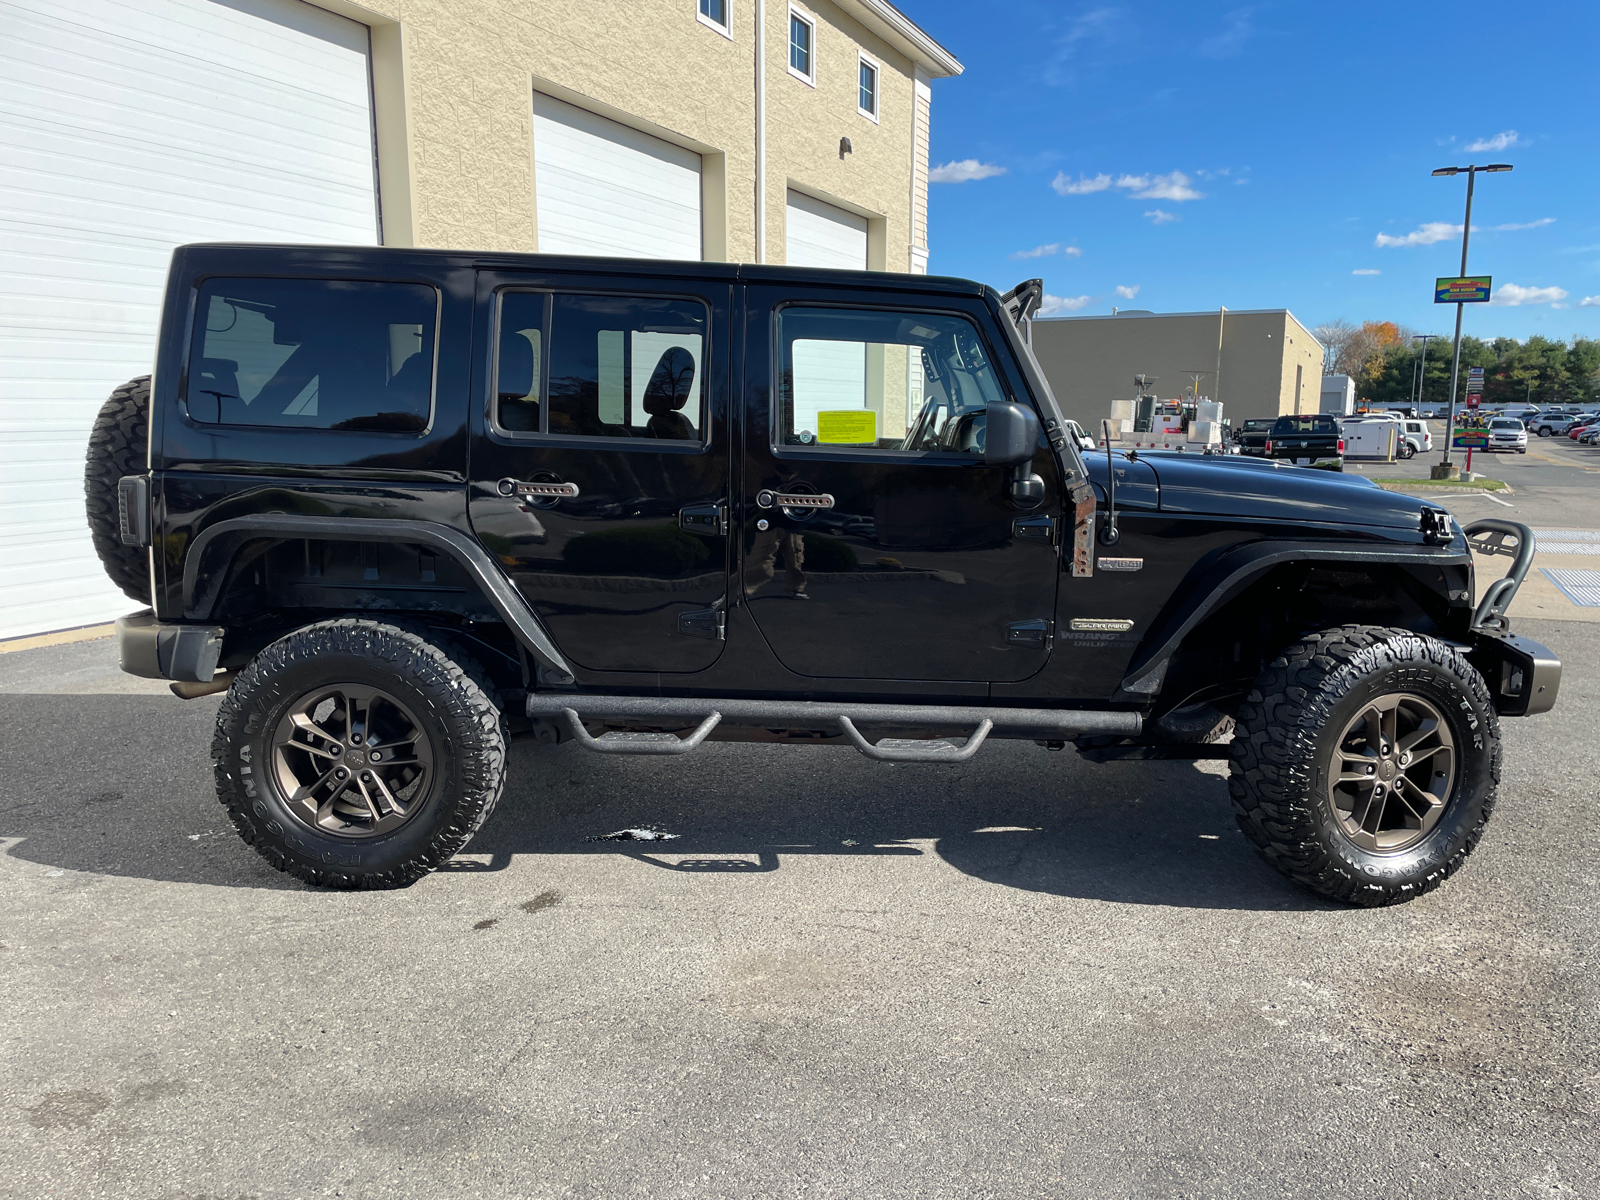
119 444
453 702
1288 733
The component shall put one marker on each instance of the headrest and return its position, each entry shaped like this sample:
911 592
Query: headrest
668 390
516 365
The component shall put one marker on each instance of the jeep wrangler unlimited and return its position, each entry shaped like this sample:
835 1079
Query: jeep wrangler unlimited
403 505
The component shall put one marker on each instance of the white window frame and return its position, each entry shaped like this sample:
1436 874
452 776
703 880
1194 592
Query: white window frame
725 30
796 13
865 59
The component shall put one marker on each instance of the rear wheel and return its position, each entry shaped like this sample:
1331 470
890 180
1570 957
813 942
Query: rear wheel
359 754
119 444
1407 450
1365 763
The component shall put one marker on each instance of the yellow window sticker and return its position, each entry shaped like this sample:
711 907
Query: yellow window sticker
848 427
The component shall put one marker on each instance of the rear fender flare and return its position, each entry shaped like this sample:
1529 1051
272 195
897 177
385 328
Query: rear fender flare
214 550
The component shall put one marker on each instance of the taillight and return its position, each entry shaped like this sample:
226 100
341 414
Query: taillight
1341 445
1269 446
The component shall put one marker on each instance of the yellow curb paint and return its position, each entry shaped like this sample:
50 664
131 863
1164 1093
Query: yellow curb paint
88 633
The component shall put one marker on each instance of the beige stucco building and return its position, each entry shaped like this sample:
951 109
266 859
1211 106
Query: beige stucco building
455 85
1258 362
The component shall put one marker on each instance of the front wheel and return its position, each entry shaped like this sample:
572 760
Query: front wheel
1365 763
359 754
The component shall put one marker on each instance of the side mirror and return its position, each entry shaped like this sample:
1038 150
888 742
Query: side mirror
1011 435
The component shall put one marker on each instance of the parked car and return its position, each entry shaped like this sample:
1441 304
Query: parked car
1415 439
1548 424
1507 433
1579 424
397 506
1308 439
1251 436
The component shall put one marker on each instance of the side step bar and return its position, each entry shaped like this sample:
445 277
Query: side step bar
1044 724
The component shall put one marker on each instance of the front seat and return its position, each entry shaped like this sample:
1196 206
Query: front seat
666 393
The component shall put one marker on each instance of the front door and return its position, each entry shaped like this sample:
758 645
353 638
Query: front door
599 463
899 554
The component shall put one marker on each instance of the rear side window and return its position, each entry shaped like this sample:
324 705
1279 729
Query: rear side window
343 355
616 366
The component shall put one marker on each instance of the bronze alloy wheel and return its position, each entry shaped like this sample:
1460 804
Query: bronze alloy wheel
1396 768
352 761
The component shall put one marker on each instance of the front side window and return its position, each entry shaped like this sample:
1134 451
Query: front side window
867 98
853 379
800 36
333 354
617 366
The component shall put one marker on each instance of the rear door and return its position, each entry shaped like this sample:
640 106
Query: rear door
904 556
599 463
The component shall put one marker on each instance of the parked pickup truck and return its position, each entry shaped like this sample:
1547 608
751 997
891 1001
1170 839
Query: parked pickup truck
1252 436
1310 439
398 506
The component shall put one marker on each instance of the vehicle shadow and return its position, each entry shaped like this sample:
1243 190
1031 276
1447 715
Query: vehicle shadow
121 785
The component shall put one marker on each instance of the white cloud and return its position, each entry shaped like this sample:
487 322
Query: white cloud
1127 293
1081 186
1509 295
964 171
1525 225
1054 305
1232 39
1365 271
1427 235
1503 140
1589 302
1159 187
1240 182
1048 251
1157 217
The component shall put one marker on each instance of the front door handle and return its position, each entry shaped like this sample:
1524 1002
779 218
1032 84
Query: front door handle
766 498
537 491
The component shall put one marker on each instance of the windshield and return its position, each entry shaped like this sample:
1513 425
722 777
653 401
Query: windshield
1505 424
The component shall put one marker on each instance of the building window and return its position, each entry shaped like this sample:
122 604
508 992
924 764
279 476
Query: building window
802 41
715 14
867 88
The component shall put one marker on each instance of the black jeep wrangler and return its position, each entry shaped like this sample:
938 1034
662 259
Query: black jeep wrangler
403 505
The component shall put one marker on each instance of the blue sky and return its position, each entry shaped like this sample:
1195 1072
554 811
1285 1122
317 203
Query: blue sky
1272 156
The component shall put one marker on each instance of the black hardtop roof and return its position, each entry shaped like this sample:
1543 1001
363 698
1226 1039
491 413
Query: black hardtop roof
301 257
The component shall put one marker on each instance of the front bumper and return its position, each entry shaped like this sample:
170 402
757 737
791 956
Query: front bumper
1523 676
182 653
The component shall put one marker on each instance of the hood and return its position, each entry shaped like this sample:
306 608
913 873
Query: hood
1235 486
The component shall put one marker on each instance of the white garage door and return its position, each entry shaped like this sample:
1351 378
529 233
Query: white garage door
820 235
603 188
125 130
829 376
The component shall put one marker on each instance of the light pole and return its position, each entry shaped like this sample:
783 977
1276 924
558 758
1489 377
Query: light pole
1422 367
1445 470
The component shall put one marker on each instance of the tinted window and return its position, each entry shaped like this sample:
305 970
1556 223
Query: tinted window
314 354
1256 426
617 366
882 381
1322 426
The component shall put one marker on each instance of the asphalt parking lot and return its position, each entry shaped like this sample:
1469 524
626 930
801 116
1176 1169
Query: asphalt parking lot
1022 976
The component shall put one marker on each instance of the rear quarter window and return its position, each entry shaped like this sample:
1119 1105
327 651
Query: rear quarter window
328 354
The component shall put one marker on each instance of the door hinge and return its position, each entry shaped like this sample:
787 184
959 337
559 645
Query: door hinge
708 520
1029 633
704 622
1083 530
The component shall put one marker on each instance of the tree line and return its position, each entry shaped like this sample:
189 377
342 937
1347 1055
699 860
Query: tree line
1382 359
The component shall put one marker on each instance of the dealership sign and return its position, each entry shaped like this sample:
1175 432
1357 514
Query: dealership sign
1468 289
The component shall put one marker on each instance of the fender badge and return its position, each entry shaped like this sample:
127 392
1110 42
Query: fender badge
1120 564
1100 624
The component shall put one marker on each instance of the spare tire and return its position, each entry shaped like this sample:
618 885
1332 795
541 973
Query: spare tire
119 444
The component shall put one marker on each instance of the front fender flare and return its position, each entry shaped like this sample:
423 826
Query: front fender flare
205 567
1213 584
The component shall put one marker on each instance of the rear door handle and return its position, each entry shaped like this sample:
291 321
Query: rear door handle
766 498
